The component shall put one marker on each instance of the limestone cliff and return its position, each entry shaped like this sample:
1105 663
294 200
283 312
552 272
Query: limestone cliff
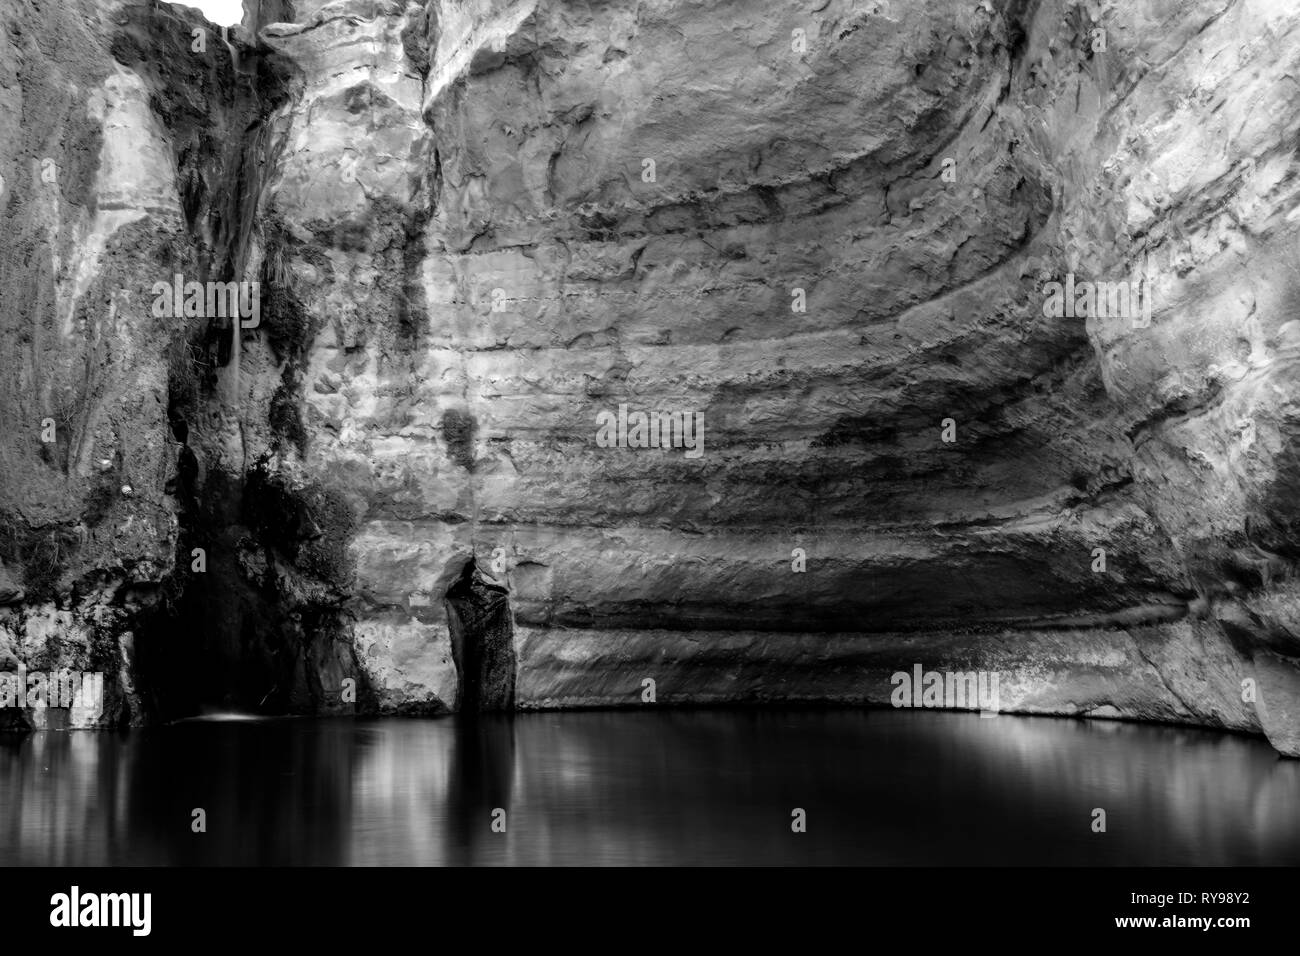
829 230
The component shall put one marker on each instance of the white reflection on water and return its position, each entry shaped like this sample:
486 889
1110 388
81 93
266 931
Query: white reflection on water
880 787
224 716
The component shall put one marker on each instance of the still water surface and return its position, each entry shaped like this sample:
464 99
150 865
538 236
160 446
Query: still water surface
670 787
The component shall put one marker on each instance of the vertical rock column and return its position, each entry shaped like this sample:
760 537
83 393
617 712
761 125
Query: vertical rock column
482 642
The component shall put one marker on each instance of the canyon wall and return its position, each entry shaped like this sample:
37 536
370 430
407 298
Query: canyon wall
830 233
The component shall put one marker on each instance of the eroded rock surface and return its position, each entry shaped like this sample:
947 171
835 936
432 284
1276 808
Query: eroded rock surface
479 225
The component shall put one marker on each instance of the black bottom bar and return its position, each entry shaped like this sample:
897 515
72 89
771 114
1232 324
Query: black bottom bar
335 907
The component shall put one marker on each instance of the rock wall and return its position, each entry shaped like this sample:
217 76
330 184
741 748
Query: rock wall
91 198
831 234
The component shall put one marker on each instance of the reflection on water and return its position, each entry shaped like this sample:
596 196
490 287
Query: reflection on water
665 787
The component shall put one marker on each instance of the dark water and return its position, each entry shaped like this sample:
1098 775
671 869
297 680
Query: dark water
670 787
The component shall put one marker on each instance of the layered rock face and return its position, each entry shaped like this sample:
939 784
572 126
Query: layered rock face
832 239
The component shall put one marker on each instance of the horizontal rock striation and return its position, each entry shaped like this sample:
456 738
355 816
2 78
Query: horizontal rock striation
831 236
